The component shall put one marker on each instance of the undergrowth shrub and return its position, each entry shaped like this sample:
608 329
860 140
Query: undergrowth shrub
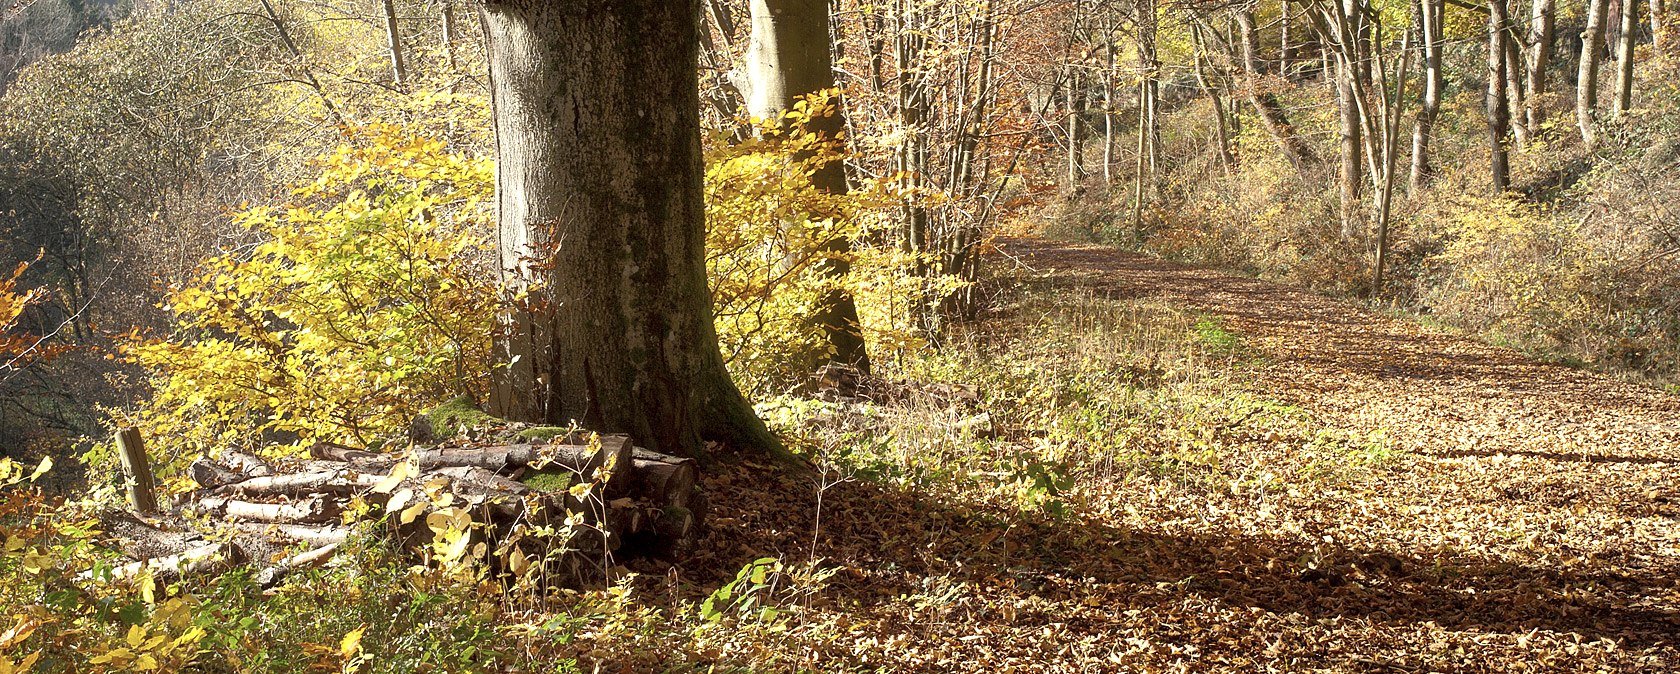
770 238
361 306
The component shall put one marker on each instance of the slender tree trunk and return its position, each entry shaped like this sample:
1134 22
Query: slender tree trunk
1658 39
1148 34
1075 128
1498 108
1286 40
788 57
1271 113
1586 85
1351 133
1541 25
1430 14
910 39
1108 100
1515 105
1624 56
448 18
393 41
297 55
1138 169
1211 89
601 218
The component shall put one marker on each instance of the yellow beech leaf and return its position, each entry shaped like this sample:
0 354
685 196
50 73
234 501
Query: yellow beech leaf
46 465
413 511
352 642
25 626
399 473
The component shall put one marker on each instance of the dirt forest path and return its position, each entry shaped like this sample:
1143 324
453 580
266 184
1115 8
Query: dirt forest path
1517 517
1572 477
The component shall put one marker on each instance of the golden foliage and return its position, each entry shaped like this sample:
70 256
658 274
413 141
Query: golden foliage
359 308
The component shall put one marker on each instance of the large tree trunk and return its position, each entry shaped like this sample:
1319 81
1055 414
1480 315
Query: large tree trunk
1624 56
1541 26
1430 14
601 221
1498 105
788 57
1586 83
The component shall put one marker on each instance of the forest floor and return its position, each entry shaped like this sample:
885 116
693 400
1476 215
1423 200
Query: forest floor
1374 495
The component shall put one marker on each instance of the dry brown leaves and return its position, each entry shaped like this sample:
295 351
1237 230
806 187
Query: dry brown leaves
1527 524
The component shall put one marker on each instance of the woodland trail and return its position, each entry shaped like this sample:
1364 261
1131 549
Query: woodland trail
1522 517
1580 471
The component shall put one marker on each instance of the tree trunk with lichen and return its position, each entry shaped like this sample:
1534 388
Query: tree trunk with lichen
601 224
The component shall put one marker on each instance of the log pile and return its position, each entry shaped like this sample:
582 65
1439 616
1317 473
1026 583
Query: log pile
571 508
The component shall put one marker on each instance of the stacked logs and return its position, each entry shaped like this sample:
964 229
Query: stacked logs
598 502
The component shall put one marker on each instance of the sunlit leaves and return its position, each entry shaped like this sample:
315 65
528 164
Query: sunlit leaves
360 307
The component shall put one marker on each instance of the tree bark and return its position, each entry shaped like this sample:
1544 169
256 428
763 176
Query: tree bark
1286 40
601 222
1515 105
1658 38
448 21
1350 174
788 57
1498 106
1624 57
137 471
1586 84
1109 122
1075 128
1541 26
1271 113
393 40
1198 48
1430 13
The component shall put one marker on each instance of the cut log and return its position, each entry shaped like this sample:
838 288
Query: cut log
640 503
311 511
209 474
313 535
208 558
328 451
317 482
675 530
249 464
480 487
143 540
272 575
489 458
666 484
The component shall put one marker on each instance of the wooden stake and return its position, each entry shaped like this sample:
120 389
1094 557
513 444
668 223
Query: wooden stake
142 496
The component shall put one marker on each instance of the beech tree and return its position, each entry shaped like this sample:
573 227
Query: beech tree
788 58
601 224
